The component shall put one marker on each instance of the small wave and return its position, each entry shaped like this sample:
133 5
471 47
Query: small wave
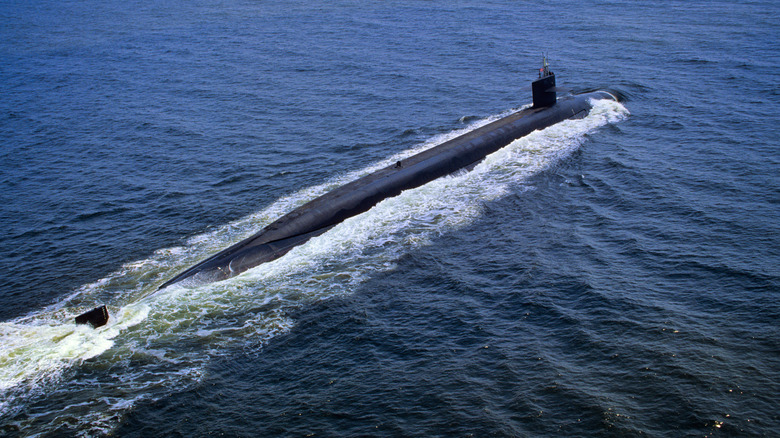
109 210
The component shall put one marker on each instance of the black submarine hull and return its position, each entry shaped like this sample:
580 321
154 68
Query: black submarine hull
321 214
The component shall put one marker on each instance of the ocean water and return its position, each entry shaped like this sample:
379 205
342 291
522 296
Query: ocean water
611 276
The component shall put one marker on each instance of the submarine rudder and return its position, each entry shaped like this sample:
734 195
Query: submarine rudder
96 317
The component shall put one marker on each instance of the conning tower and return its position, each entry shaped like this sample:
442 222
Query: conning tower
544 88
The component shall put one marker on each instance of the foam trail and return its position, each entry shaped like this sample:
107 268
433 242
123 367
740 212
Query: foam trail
159 343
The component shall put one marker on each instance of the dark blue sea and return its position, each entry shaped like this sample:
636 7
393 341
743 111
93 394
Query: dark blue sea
614 276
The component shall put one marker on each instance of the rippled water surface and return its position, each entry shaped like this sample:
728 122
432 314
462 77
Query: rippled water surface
610 276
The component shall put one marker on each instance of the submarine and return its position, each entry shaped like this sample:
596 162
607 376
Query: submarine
323 213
